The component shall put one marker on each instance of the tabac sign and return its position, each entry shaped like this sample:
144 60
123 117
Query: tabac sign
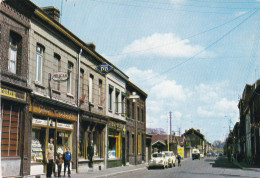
104 68
5 91
60 76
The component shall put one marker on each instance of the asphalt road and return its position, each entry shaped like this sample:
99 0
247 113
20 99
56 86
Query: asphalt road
204 168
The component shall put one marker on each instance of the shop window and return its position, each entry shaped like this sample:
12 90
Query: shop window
56 68
139 143
14 45
10 115
100 92
117 100
90 88
70 77
114 142
38 145
82 144
64 139
39 62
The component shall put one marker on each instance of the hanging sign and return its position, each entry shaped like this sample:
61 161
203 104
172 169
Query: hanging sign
60 76
104 68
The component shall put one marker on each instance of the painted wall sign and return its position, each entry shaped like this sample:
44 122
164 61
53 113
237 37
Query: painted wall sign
104 68
60 76
12 93
53 112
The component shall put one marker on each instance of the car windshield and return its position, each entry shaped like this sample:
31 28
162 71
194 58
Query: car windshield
167 154
157 155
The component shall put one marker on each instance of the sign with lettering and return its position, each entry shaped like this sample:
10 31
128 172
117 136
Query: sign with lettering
60 76
115 124
104 68
53 112
12 93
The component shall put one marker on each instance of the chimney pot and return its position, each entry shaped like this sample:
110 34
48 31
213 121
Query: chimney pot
53 12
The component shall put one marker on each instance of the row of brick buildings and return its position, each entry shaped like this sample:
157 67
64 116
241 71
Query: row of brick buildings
243 142
51 88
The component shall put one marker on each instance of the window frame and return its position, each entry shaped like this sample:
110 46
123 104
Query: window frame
39 55
69 81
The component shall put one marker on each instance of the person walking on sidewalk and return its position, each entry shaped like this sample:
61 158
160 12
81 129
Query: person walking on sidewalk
59 162
67 160
90 150
49 159
179 160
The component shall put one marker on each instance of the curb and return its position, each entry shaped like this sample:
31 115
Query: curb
244 168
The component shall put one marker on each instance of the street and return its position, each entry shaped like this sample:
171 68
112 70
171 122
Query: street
207 167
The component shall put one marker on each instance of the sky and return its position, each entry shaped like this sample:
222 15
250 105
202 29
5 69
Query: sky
192 57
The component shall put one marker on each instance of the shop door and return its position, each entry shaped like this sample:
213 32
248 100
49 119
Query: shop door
123 151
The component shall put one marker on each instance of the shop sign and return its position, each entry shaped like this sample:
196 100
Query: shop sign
60 76
180 151
52 112
5 91
115 124
39 121
66 126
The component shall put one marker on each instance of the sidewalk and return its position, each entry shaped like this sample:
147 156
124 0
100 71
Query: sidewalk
243 165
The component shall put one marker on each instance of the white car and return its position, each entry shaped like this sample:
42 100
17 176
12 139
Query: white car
171 158
158 160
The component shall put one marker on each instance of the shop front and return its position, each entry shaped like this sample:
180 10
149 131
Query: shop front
116 155
91 128
14 112
51 124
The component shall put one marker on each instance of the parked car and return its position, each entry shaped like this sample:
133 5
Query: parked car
201 155
209 154
171 158
158 160
195 154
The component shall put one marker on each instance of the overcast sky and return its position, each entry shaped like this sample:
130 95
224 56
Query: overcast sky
192 57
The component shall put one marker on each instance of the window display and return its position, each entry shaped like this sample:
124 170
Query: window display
114 149
38 137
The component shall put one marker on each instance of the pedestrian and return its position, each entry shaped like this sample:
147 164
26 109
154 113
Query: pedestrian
49 159
67 159
90 150
179 160
59 162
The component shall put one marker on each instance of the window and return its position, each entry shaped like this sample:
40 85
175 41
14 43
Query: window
69 81
133 110
81 82
110 99
14 41
56 68
10 116
138 113
114 142
39 60
128 108
139 143
117 100
90 88
123 103
100 92
142 114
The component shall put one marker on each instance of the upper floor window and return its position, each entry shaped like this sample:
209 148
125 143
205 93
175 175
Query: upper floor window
110 99
100 92
138 113
133 110
90 88
14 41
82 82
117 100
142 114
123 103
128 108
69 81
56 68
39 61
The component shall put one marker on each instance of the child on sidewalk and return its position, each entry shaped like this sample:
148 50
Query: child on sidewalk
67 159
59 162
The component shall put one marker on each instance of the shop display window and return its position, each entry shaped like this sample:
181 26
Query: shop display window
38 140
64 139
114 149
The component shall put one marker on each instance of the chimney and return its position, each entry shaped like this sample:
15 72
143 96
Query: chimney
53 12
198 130
92 46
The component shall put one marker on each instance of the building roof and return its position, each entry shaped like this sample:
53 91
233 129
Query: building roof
158 137
193 131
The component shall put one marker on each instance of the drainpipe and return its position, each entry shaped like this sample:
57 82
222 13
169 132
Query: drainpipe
78 103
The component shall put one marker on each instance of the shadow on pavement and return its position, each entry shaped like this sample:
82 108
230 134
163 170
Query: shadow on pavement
222 162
